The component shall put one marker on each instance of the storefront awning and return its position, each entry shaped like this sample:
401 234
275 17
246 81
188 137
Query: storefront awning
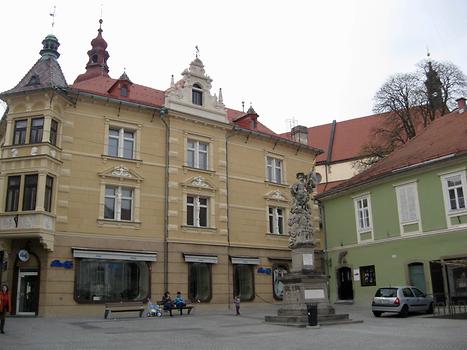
208 259
244 260
114 255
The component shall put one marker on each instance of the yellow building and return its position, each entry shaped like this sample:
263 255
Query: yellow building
114 191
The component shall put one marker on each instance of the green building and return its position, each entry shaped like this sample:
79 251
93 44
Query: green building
404 220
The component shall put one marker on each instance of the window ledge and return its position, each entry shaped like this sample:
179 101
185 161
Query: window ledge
119 223
457 213
106 157
198 229
277 235
201 170
270 183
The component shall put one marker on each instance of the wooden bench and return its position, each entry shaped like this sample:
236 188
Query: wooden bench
124 307
173 307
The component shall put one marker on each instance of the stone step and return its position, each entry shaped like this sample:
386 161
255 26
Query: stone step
334 317
287 319
336 322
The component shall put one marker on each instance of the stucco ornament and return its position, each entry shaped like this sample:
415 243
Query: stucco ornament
121 171
300 224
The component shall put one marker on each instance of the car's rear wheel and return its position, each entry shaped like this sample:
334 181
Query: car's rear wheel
430 309
404 311
377 313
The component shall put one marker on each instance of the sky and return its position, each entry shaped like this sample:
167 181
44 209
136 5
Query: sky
307 61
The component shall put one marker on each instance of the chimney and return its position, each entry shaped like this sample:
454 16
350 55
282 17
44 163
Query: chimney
300 134
461 104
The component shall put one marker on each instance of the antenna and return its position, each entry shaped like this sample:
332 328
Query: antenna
291 122
52 14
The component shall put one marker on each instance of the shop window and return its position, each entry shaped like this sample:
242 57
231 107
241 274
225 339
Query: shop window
244 285
111 280
199 282
277 285
367 276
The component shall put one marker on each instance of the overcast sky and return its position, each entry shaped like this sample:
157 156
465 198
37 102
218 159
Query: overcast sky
314 61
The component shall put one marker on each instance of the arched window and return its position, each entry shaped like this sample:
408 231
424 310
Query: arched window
197 95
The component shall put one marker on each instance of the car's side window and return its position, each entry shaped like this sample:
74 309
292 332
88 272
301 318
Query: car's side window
418 292
407 293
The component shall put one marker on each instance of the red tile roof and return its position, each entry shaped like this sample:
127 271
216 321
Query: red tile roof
445 137
349 138
136 93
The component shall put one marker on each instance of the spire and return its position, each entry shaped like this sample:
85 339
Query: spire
50 46
250 110
98 56
221 98
433 88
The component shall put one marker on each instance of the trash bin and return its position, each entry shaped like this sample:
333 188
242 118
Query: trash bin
312 312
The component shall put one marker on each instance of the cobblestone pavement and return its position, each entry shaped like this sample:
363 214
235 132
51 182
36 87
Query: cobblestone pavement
210 330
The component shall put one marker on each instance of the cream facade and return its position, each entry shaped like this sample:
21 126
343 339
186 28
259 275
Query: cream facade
109 196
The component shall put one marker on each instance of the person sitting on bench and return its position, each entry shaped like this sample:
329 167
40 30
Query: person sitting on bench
167 301
179 300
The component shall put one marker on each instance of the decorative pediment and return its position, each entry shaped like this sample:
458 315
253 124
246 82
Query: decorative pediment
121 172
276 195
199 182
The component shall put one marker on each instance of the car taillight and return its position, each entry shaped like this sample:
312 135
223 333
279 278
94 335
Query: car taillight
397 301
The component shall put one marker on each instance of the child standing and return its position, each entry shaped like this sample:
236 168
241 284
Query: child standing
236 302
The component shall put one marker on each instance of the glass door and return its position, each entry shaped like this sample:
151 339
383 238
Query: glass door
27 294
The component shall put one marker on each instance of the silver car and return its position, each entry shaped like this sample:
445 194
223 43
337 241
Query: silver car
401 300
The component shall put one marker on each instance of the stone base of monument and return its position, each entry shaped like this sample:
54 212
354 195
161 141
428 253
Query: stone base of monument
302 288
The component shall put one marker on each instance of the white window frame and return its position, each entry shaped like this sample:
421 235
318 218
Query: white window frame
196 210
274 216
447 202
401 193
196 152
118 202
121 141
363 229
276 163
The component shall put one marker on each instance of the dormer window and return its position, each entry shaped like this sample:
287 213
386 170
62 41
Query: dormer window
124 91
197 95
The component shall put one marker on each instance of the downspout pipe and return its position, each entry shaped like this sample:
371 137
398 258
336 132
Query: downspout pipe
163 115
229 272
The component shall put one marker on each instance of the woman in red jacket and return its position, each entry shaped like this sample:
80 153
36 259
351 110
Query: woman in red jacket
5 306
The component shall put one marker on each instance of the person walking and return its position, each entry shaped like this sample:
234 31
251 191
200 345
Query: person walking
236 302
5 306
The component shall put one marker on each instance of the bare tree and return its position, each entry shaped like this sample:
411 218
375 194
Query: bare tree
412 101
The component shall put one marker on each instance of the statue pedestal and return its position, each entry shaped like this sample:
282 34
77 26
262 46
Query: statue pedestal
302 286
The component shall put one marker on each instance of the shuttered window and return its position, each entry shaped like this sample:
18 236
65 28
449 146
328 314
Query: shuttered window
407 201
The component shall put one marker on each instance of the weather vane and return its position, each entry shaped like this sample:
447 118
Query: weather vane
52 14
102 7
197 51
292 122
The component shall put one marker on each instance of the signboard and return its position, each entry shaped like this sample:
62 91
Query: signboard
356 274
314 293
308 259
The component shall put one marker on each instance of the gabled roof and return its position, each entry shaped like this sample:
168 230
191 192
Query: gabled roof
348 140
45 73
102 85
445 138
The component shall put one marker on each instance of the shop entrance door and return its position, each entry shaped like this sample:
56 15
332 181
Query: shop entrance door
27 293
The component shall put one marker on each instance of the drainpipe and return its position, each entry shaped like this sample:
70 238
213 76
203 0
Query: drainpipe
163 113
326 257
229 285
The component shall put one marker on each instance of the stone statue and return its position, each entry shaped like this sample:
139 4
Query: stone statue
300 225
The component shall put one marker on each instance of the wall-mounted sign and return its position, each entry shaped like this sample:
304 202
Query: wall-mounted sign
265 270
67 264
356 274
23 255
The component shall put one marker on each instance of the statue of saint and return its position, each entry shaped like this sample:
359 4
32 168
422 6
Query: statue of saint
300 225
